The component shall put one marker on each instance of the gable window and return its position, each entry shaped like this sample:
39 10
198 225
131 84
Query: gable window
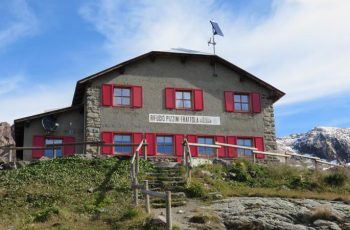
165 145
122 96
206 150
248 142
49 152
183 99
241 102
122 139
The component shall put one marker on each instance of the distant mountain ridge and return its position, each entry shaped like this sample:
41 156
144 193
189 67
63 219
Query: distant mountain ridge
328 143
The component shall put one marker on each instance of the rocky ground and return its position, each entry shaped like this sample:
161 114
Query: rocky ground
280 213
262 213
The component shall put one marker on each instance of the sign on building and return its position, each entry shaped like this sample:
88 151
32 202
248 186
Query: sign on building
184 119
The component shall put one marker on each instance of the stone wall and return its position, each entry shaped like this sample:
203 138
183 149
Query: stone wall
269 124
92 117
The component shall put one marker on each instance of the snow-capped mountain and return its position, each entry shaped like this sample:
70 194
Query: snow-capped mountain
325 142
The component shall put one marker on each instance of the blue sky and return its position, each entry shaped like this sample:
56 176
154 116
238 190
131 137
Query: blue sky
300 46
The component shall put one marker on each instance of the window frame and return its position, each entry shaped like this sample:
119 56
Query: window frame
131 142
131 96
249 102
212 149
173 144
245 150
50 149
182 90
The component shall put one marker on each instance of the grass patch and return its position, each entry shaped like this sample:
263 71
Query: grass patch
71 193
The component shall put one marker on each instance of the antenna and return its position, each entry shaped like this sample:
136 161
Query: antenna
216 31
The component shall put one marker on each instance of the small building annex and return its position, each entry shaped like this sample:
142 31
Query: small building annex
163 97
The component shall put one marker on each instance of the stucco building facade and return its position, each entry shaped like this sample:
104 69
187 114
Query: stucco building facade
163 97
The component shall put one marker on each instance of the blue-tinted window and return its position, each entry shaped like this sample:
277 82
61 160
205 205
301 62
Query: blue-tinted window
58 149
245 142
122 139
183 99
122 96
165 145
206 150
241 102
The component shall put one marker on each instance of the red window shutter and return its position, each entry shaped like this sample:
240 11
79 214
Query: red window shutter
229 103
107 137
136 139
178 146
68 150
38 141
221 139
193 139
151 141
259 144
231 152
170 98
256 102
137 97
198 99
107 95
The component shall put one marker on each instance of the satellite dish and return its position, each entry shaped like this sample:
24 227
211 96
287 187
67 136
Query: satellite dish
49 124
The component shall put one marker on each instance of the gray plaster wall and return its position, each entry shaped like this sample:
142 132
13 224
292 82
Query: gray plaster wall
71 123
155 76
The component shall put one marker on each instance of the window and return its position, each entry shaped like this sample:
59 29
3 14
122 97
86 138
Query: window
165 145
122 139
183 99
206 150
58 149
122 96
245 142
241 102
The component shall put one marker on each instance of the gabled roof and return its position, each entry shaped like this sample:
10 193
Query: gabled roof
81 84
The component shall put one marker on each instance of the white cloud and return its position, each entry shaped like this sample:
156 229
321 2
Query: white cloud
10 84
30 99
302 47
20 21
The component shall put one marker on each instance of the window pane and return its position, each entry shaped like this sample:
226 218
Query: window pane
160 140
179 95
168 149
237 98
244 98
127 138
209 141
117 100
201 140
48 141
118 138
117 91
118 149
238 107
179 104
248 142
248 152
168 140
127 149
160 149
186 95
240 151
201 150
126 92
240 142
126 101
187 104
245 107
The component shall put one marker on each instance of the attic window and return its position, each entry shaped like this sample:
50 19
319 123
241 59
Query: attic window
122 96
241 102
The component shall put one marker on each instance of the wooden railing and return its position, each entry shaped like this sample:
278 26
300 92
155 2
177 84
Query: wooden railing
136 187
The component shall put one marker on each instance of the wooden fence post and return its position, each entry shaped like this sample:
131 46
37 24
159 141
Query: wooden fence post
315 161
148 207
54 151
137 162
184 156
217 154
145 149
168 211
254 158
136 192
